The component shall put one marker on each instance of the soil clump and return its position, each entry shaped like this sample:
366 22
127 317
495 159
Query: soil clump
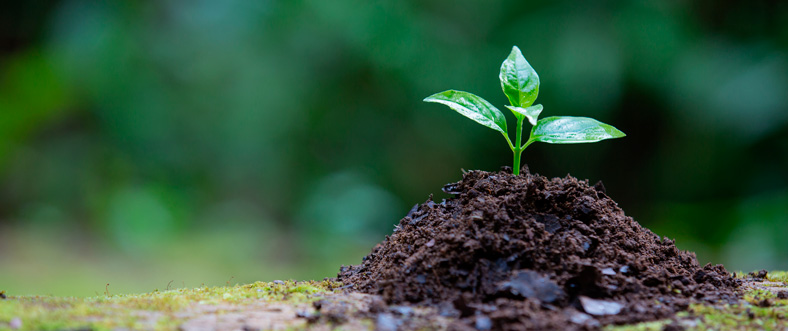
527 252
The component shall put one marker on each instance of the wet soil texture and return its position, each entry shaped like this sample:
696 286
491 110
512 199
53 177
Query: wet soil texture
527 252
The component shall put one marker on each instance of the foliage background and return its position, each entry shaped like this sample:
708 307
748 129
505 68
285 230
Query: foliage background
179 143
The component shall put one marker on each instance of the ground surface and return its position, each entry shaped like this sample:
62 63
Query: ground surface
505 253
326 306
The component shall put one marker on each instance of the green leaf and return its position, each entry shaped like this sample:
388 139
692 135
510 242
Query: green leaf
519 81
532 112
572 130
473 107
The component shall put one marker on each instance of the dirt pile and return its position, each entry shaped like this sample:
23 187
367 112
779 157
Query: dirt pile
514 252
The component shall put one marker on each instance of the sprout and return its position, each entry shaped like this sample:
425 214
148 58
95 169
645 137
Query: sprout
520 83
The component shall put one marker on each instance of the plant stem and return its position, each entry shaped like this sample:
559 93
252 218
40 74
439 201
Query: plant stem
519 149
508 141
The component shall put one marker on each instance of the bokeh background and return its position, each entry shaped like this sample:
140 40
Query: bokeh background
160 144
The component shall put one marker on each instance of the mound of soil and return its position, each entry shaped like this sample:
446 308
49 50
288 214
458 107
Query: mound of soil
528 252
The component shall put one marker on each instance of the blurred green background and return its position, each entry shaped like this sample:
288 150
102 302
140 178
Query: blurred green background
179 143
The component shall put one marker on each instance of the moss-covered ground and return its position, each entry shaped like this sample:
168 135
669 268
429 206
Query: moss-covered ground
278 305
158 310
762 308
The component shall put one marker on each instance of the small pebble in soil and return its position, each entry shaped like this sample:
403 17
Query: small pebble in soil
530 284
584 319
483 323
421 279
386 322
599 307
402 310
476 215
608 271
279 282
310 317
446 309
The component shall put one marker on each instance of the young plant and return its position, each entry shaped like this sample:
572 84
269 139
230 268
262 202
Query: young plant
520 83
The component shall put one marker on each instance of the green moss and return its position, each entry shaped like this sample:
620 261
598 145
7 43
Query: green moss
153 310
772 276
645 326
761 310
744 317
778 276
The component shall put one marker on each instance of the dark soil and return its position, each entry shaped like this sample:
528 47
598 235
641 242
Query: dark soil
527 252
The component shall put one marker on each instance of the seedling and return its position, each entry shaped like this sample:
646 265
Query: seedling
520 83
